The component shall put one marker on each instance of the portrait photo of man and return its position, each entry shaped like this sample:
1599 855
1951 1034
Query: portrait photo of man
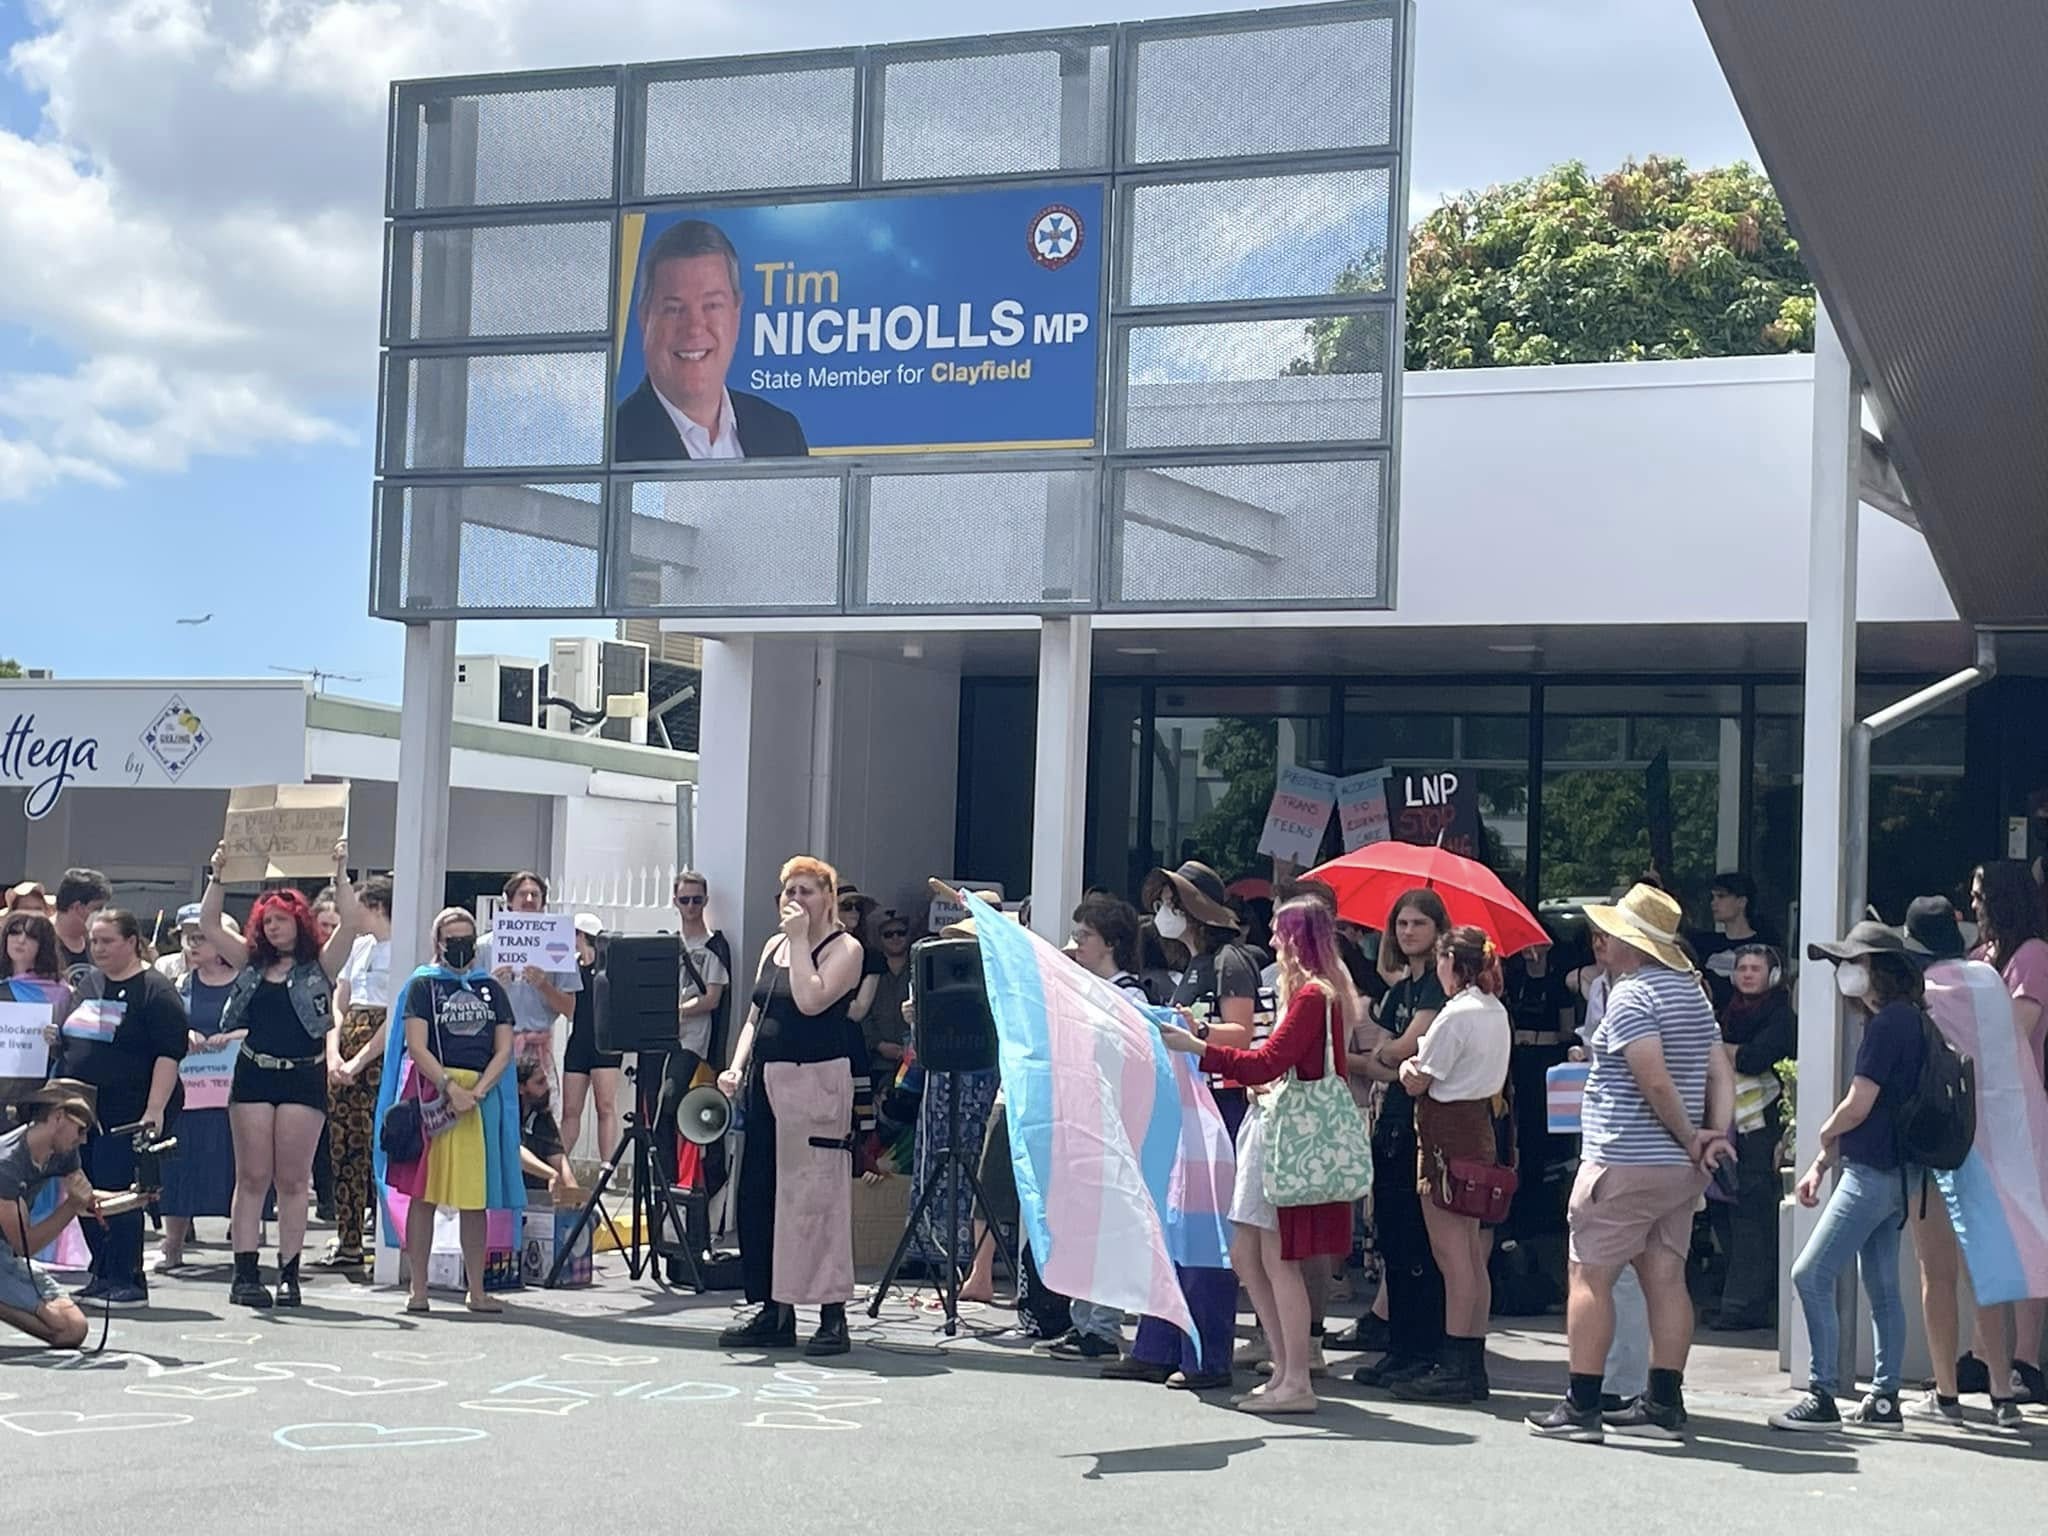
688 308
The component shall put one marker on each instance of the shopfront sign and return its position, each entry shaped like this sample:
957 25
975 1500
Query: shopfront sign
60 736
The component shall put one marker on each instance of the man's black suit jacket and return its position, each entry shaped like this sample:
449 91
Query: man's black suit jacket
642 431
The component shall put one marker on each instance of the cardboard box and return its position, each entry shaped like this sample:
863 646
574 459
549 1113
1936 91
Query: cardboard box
547 1227
879 1211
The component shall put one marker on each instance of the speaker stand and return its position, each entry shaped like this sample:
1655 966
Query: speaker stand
653 1204
956 1167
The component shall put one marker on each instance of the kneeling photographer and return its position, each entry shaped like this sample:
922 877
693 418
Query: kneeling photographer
46 1148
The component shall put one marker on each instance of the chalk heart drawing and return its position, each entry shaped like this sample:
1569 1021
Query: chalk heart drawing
798 1420
188 1394
693 1392
374 1386
612 1359
321 1438
65 1421
220 1338
551 1407
277 1370
425 1356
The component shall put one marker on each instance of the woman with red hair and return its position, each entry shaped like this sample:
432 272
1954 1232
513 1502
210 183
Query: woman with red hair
282 1004
793 1069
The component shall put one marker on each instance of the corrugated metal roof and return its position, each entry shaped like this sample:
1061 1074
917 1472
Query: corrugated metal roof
1909 142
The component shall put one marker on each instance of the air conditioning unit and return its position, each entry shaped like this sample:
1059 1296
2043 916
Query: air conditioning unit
601 676
501 688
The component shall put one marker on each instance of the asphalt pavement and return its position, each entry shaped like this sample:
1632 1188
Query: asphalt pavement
614 1403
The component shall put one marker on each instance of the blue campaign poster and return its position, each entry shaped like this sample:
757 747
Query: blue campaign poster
919 321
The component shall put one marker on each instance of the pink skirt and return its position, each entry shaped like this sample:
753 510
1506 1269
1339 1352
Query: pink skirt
813 1102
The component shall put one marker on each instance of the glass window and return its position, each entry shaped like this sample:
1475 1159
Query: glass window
1636 778
1480 732
1215 755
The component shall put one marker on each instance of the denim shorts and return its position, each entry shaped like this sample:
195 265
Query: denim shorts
22 1288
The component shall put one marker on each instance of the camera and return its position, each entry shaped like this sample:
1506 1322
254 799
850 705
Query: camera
151 1148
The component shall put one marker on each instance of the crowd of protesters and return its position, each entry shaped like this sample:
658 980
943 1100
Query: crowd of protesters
1415 1022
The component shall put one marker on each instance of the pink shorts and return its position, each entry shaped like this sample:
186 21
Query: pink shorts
1620 1212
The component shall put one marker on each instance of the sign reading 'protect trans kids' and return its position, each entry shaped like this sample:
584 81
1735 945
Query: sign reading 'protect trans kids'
929 321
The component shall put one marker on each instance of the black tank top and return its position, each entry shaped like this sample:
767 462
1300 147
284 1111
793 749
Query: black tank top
786 1033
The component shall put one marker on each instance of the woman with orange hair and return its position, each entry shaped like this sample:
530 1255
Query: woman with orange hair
282 1003
793 1070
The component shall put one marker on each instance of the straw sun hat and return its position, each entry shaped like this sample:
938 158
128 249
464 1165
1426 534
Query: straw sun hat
1646 919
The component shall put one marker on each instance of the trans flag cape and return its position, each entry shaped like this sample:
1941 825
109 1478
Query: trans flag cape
505 1188
1123 1165
1998 1199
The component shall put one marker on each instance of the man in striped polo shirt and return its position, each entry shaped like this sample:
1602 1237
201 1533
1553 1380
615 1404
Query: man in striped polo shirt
1659 1101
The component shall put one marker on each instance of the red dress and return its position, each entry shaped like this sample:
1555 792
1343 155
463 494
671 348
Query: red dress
1297 1042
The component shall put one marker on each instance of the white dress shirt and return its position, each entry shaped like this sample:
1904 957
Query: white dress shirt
700 444
1467 1047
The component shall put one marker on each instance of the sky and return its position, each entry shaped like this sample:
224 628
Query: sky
190 236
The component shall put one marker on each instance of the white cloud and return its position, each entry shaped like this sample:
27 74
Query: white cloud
198 219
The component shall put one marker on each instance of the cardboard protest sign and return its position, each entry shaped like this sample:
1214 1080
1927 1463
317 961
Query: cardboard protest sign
545 939
1362 809
1436 808
283 831
1302 799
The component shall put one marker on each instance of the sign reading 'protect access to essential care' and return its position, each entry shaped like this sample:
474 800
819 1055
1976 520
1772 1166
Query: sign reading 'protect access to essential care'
926 321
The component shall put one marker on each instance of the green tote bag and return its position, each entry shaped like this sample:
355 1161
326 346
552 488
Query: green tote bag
1316 1147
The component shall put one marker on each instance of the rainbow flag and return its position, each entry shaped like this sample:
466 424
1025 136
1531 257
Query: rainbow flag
95 1019
1123 1165
1998 1199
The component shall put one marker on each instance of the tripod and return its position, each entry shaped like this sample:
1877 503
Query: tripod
653 1200
956 1167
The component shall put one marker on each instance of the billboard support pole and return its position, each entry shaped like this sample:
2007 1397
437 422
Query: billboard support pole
1059 784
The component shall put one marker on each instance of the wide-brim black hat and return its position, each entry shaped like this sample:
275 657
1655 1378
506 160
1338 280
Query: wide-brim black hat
1867 938
1197 891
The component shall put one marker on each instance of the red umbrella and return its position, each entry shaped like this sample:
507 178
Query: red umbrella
1369 880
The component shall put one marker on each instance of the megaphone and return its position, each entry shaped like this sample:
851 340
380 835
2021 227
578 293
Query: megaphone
704 1115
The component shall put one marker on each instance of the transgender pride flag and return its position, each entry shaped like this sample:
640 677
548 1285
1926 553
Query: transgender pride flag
1998 1199
1123 1166
96 1019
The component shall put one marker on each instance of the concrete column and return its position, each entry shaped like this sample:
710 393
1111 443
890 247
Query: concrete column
1060 783
824 746
1830 700
419 873
724 770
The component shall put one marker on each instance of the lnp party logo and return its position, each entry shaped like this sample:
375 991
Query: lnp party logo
1055 237
175 737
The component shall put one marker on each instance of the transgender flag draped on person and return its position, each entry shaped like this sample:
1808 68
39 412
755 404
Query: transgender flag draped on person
1123 1165
1998 1199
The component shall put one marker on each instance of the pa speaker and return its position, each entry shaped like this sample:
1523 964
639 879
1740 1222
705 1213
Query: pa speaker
638 993
955 1031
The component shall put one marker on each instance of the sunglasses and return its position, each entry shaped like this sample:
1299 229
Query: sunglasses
895 933
690 901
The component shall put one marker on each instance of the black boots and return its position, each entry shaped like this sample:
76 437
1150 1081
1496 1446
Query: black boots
288 1281
1458 1376
773 1327
247 1289
831 1337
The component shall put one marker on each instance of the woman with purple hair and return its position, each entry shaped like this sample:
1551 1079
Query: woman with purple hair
1318 1005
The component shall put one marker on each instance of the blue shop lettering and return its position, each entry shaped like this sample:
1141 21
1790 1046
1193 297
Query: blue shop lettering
60 759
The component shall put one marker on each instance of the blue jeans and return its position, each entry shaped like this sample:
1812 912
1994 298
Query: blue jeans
1862 1222
1104 1323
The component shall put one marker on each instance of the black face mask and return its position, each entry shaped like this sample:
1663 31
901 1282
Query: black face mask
458 952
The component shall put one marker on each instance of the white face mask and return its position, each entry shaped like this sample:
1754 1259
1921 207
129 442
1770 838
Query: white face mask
1852 979
1169 922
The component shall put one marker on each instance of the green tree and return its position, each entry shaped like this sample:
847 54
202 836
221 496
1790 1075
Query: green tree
9 667
1245 754
1649 261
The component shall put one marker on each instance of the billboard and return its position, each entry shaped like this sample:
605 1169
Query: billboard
917 322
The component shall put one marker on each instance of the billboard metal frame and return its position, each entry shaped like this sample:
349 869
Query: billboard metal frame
1112 164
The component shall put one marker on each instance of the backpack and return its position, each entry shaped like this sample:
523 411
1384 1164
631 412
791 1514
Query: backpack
1937 1123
